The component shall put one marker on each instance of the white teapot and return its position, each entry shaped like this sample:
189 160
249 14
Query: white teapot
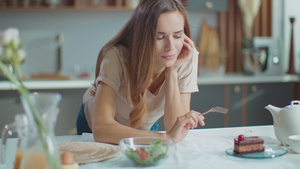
286 121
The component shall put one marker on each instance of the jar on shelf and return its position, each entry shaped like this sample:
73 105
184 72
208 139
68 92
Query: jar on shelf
36 2
24 3
3 3
132 3
12 2
52 3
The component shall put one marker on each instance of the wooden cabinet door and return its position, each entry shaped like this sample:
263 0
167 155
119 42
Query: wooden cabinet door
236 104
246 103
206 98
260 95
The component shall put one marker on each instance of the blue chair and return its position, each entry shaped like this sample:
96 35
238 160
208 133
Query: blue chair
82 125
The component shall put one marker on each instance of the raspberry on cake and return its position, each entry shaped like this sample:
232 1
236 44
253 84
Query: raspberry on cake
244 145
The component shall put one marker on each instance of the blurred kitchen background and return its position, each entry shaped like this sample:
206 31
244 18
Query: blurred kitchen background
62 39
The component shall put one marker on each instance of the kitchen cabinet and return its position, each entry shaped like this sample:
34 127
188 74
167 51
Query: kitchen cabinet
206 98
236 101
260 95
246 103
69 106
297 91
207 5
229 96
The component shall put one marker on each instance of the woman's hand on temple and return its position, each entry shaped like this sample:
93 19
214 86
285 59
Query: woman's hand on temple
186 52
184 123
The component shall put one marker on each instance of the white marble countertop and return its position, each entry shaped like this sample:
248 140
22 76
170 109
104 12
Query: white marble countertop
50 84
202 80
202 148
246 79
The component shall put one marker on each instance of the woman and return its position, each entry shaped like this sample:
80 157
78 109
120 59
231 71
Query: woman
147 70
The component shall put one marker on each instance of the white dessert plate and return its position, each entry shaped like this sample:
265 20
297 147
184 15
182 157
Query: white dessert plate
89 152
271 151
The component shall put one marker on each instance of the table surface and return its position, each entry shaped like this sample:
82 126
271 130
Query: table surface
202 148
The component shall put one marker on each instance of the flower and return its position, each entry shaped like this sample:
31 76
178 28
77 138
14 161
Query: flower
11 47
11 53
8 35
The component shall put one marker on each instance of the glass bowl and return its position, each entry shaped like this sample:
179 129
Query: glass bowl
146 151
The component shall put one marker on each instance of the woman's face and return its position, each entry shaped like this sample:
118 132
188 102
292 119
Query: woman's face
169 39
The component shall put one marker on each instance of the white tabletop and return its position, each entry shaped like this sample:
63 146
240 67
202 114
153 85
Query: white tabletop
202 148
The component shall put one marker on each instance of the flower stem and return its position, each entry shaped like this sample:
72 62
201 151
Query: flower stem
8 74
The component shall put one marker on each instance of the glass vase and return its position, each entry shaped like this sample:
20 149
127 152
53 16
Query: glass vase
40 150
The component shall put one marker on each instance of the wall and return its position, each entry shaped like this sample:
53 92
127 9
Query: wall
291 9
84 34
282 11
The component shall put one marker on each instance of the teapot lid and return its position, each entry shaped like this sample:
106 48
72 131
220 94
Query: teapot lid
295 105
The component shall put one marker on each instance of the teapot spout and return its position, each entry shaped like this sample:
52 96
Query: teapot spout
273 109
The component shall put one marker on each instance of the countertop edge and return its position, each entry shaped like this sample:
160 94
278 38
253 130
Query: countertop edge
49 84
202 80
243 79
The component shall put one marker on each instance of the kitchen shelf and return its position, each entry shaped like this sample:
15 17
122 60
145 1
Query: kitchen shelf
73 5
59 8
80 5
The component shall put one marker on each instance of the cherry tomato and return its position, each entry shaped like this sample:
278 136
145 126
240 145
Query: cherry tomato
137 150
143 155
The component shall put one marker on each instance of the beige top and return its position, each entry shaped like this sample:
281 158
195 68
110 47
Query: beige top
113 73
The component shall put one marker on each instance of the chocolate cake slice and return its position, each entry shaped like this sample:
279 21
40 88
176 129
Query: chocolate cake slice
244 145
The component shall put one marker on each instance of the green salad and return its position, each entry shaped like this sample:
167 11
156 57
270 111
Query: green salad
147 156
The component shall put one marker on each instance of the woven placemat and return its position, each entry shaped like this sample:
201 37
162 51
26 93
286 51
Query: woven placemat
89 152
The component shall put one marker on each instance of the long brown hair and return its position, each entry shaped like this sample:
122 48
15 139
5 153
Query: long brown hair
138 35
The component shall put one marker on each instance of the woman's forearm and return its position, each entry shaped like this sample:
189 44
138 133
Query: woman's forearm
114 132
175 106
105 128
